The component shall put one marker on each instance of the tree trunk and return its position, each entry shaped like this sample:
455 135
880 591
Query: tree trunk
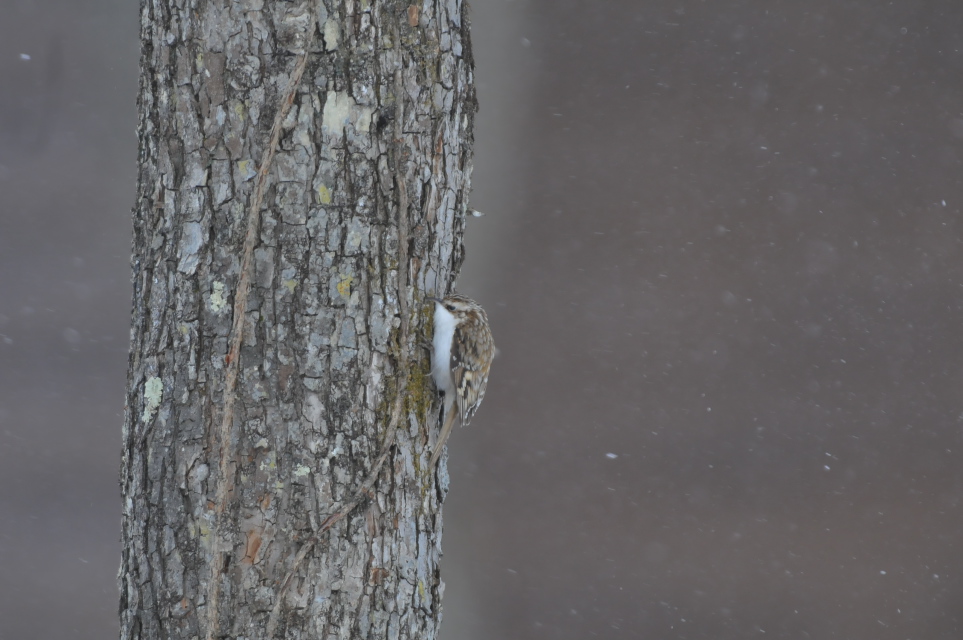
303 179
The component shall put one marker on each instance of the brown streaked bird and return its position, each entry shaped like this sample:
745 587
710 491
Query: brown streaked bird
461 356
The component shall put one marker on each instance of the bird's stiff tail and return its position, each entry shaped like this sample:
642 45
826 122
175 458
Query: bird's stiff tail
445 431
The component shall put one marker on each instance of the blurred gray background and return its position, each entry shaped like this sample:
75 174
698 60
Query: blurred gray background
722 263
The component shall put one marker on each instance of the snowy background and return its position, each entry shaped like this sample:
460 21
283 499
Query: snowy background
722 260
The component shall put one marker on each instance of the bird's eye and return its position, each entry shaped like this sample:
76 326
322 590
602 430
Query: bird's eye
450 307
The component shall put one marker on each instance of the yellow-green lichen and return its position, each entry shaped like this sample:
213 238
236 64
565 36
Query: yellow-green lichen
300 471
205 531
324 195
421 388
421 391
247 169
270 462
344 287
290 285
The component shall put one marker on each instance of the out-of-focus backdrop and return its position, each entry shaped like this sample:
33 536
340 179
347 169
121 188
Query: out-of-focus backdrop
722 259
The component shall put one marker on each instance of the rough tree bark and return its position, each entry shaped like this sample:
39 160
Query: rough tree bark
303 183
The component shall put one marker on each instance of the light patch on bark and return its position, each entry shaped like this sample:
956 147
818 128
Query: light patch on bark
192 238
153 394
332 34
340 110
218 301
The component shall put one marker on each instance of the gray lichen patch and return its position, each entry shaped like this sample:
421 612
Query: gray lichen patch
153 394
332 34
356 240
217 300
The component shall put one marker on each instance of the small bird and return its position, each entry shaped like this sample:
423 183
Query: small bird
461 356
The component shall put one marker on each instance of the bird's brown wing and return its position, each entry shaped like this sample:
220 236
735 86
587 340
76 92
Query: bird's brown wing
469 373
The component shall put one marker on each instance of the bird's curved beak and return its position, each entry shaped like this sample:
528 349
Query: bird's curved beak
434 299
